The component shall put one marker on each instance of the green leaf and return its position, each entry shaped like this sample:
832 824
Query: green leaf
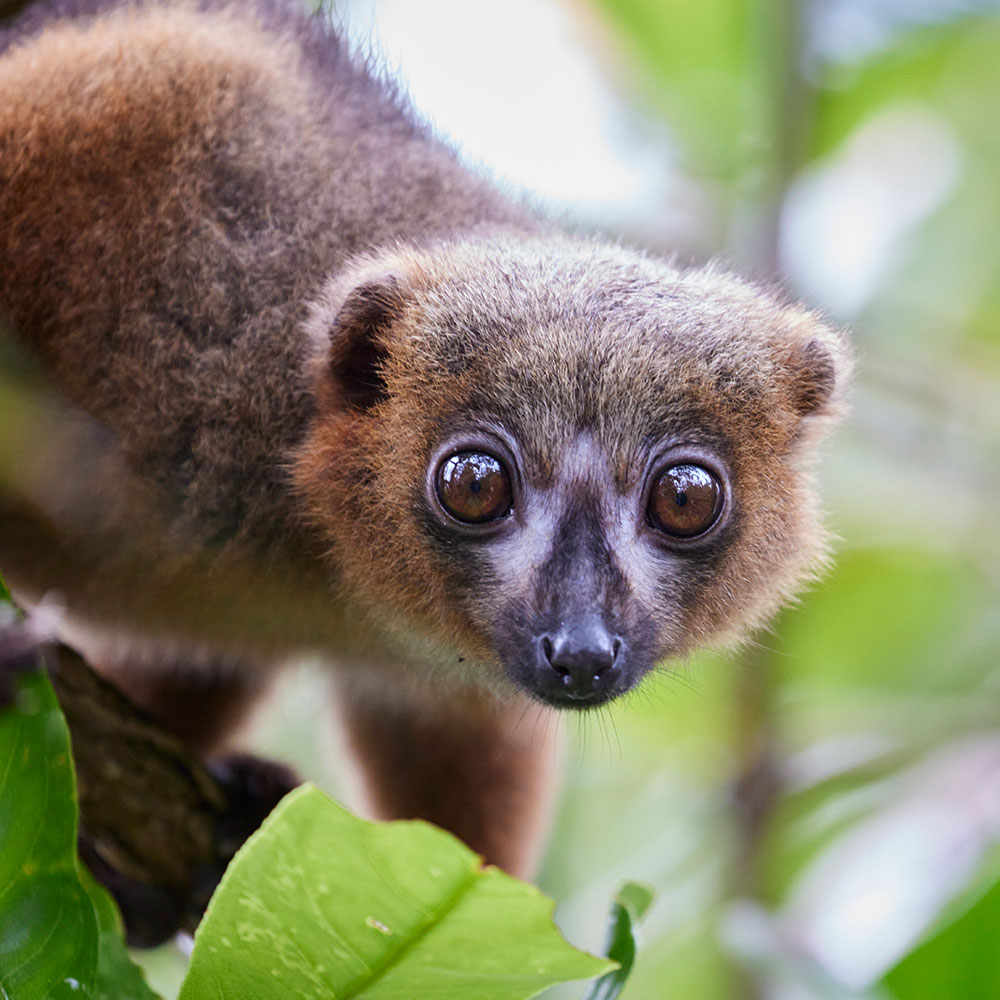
320 904
627 910
959 961
636 898
4 592
49 945
118 977
61 933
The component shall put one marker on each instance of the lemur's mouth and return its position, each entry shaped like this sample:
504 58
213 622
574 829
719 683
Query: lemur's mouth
575 702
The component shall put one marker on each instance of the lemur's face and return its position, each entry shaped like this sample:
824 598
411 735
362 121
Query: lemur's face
583 565
568 464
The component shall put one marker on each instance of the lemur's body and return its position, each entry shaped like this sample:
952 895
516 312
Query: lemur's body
363 405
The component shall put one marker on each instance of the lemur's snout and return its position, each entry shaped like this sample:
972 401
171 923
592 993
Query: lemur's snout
579 663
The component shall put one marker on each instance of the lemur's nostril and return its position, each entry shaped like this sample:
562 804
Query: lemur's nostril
583 656
547 648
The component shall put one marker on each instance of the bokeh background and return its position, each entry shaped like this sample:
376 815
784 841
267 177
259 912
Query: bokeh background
818 814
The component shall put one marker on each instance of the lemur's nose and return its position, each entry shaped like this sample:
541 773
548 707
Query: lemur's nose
583 656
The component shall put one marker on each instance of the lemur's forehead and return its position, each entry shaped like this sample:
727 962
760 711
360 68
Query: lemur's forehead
622 349
583 339
627 400
582 465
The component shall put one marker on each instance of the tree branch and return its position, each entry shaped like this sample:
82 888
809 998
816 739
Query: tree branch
157 826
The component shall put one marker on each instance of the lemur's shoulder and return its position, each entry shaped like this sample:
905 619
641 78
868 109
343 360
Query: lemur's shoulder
175 183
251 135
154 169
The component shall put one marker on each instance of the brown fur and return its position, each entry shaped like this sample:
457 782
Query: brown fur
433 758
205 705
265 297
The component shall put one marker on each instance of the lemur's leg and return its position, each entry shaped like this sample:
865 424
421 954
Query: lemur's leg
480 768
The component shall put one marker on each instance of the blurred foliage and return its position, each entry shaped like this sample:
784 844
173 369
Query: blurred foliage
871 714
959 960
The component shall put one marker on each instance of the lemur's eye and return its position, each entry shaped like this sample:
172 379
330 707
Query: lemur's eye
474 487
685 501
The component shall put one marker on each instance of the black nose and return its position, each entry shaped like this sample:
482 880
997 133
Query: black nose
582 659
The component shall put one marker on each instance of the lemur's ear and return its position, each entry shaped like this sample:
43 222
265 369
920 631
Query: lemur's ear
358 348
814 377
817 367
351 329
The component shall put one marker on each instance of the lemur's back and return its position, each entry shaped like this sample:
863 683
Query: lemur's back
262 154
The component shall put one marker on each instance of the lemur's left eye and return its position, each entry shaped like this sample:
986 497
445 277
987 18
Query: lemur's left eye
474 487
685 501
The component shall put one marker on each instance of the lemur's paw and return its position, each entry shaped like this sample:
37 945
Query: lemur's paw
253 787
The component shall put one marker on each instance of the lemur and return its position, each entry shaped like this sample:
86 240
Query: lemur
324 390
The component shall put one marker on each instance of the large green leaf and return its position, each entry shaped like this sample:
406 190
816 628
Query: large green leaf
321 904
960 960
49 945
61 933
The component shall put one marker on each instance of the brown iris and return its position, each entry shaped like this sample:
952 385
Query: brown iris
685 501
474 487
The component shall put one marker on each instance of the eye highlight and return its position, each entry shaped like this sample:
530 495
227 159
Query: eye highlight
474 487
685 501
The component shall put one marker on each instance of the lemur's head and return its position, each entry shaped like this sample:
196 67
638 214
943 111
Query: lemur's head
566 461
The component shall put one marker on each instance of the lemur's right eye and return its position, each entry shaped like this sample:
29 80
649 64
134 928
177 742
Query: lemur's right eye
474 487
685 501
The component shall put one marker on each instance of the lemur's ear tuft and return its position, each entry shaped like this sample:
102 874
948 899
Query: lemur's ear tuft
817 366
814 377
359 338
354 323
